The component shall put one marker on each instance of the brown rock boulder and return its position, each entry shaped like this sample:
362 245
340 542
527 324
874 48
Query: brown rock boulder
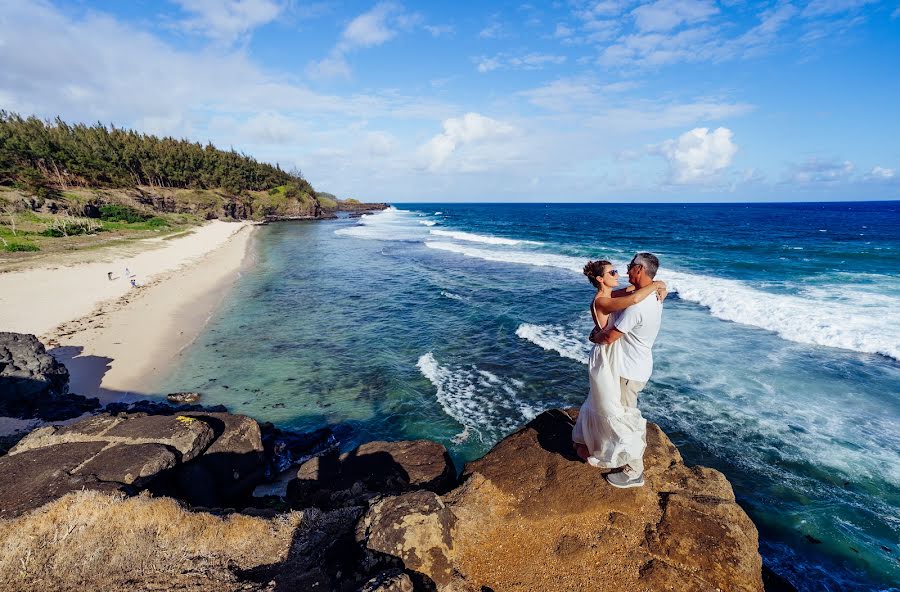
530 503
416 527
375 468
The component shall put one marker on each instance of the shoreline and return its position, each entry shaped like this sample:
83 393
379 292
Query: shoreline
116 340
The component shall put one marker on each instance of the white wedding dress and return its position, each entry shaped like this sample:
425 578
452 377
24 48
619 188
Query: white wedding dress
614 435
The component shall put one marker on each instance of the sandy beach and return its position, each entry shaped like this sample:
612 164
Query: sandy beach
115 338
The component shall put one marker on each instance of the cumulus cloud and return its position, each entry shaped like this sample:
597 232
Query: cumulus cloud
471 128
228 20
698 155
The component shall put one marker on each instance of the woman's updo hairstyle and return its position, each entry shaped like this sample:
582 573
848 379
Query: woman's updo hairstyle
594 271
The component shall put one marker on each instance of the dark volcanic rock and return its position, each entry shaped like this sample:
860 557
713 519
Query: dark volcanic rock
285 449
375 468
393 580
33 384
233 465
35 477
187 436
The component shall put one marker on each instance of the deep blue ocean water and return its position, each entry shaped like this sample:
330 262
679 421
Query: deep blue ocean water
777 362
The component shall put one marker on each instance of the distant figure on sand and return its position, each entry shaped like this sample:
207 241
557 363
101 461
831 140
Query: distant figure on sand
109 276
134 283
610 432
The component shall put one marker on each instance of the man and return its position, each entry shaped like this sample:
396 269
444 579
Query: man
636 328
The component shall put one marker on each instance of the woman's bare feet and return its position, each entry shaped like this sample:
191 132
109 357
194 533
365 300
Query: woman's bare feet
581 450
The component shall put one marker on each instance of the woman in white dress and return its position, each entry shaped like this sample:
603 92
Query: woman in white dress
607 434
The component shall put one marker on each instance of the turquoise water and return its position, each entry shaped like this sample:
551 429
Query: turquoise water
777 362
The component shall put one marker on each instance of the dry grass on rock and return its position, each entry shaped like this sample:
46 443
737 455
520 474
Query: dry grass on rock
94 541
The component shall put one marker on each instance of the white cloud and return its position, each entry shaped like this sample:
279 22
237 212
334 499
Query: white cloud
228 20
370 28
562 31
492 31
531 61
375 27
698 155
818 8
471 128
665 15
379 143
880 173
440 30
820 170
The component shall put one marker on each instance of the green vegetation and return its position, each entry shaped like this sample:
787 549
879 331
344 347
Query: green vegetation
19 247
45 158
122 213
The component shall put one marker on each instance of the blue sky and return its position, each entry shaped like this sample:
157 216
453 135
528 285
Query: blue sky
670 100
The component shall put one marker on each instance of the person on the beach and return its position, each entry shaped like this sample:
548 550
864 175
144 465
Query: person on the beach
611 432
109 275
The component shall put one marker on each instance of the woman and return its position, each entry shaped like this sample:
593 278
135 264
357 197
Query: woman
607 434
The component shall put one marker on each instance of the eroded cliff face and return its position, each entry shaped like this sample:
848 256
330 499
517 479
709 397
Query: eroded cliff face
141 501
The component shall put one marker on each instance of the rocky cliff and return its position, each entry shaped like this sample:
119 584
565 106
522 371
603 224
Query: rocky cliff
131 500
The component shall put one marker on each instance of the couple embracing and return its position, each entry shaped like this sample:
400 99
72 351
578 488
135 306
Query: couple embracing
610 432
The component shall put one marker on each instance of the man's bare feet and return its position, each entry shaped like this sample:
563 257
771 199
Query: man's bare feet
581 450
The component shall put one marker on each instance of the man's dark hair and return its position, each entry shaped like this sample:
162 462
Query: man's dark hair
648 261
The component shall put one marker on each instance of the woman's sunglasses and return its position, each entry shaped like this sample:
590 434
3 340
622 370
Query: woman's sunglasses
613 272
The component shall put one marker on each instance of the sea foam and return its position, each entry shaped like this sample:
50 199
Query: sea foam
482 238
486 405
860 324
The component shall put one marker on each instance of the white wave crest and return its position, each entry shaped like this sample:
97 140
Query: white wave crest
485 404
481 238
389 224
452 296
862 322
518 257
556 338
427 222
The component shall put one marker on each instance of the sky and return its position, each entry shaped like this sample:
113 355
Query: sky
616 101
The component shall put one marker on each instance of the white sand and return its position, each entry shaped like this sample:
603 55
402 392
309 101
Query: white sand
116 339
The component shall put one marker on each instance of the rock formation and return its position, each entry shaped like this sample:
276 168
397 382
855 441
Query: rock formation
33 384
387 516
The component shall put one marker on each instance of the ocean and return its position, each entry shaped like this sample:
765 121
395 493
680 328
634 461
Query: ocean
778 362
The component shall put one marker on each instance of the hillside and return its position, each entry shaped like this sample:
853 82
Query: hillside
65 186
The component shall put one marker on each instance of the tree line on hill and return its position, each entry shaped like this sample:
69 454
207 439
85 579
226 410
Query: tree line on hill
42 157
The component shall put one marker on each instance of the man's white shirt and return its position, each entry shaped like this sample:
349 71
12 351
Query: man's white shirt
640 324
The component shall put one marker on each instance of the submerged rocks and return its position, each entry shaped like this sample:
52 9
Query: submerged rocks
183 398
33 384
